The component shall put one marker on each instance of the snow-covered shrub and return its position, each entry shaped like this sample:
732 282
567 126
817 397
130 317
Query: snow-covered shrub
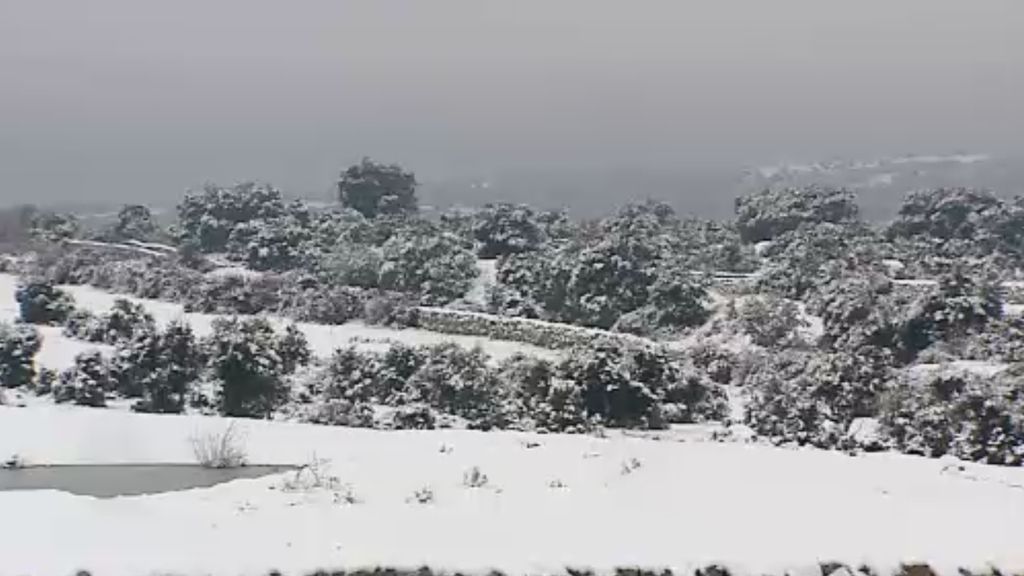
209 218
45 380
42 303
538 333
245 360
964 222
351 264
225 449
391 309
718 363
961 304
501 229
766 214
965 415
53 227
459 382
416 416
271 244
340 412
85 383
293 348
628 386
677 299
426 261
374 189
521 285
771 321
19 344
159 368
802 260
135 222
857 312
811 398
232 294
306 300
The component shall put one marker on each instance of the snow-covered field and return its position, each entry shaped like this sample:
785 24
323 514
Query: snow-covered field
757 509
58 351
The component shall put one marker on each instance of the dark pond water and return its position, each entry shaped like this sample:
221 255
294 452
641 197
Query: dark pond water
108 481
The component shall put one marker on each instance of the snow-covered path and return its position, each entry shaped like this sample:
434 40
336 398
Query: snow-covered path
756 509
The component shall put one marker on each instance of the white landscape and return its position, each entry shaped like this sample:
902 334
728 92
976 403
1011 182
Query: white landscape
549 502
753 509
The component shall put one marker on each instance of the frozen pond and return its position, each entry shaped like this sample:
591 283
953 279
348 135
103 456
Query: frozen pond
108 481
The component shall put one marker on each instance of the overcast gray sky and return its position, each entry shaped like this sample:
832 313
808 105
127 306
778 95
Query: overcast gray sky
136 100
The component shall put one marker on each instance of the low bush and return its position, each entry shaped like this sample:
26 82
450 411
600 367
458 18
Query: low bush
811 398
40 302
86 383
245 360
19 344
968 416
772 322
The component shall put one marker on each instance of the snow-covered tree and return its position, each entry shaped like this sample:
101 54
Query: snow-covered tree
771 321
85 383
54 227
19 344
458 381
503 228
40 302
766 214
244 357
630 387
962 303
158 367
293 349
426 261
134 222
374 189
811 398
209 218
968 416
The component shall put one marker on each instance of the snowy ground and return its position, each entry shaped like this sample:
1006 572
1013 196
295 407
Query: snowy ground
58 351
756 509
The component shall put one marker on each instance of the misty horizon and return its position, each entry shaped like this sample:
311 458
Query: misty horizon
566 103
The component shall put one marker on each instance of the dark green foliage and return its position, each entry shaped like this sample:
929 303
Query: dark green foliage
968 416
770 213
374 189
209 218
293 349
812 398
86 383
19 344
42 303
771 321
160 369
134 222
502 229
630 387
422 260
53 227
961 304
245 360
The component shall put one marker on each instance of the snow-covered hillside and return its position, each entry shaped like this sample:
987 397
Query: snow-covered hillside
58 351
549 502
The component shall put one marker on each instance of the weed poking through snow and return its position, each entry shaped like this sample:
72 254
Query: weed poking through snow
474 478
219 449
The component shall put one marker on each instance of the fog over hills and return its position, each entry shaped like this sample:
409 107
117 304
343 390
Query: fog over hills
584 103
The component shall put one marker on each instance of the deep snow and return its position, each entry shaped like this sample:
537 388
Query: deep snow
755 508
